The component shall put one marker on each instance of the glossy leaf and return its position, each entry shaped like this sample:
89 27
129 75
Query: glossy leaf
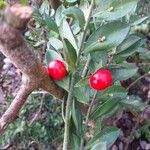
123 71
132 39
45 8
74 138
104 108
114 91
55 43
133 101
76 13
116 9
59 15
64 83
99 146
52 55
112 33
107 135
82 82
81 95
66 33
50 23
77 116
128 46
70 54
71 1
74 141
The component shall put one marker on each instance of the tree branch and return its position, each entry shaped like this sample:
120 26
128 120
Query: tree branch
13 46
11 113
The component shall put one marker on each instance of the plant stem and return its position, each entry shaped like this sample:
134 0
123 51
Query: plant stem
85 70
67 117
70 95
87 117
90 107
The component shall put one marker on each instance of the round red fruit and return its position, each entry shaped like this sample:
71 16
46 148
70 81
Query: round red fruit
101 79
57 69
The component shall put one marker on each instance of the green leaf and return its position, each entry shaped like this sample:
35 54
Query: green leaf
59 15
82 82
113 34
71 1
114 91
70 54
132 39
45 8
99 146
116 9
55 43
98 60
133 101
123 71
64 83
128 46
52 55
74 141
77 116
66 33
50 23
81 95
104 108
136 20
108 135
76 13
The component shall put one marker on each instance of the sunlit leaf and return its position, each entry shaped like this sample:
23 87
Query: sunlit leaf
76 13
107 37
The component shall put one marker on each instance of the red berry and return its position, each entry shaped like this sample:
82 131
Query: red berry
101 79
57 70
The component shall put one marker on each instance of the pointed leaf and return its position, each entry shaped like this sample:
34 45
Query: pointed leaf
99 146
59 15
71 1
64 83
66 33
52 55
50 23
55 43
70 54
116 9
77 116
45 8
76 13
123 71
81 95
107 135
104 108
112 34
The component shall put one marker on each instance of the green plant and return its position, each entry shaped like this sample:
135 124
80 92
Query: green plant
91 36
43 130
88 36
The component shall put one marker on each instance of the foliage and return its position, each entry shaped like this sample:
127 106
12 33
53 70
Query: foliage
110 41
43 131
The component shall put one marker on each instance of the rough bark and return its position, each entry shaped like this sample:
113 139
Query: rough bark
13 46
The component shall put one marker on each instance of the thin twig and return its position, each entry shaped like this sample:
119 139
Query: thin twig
39 112
85 70
87 117
133 83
